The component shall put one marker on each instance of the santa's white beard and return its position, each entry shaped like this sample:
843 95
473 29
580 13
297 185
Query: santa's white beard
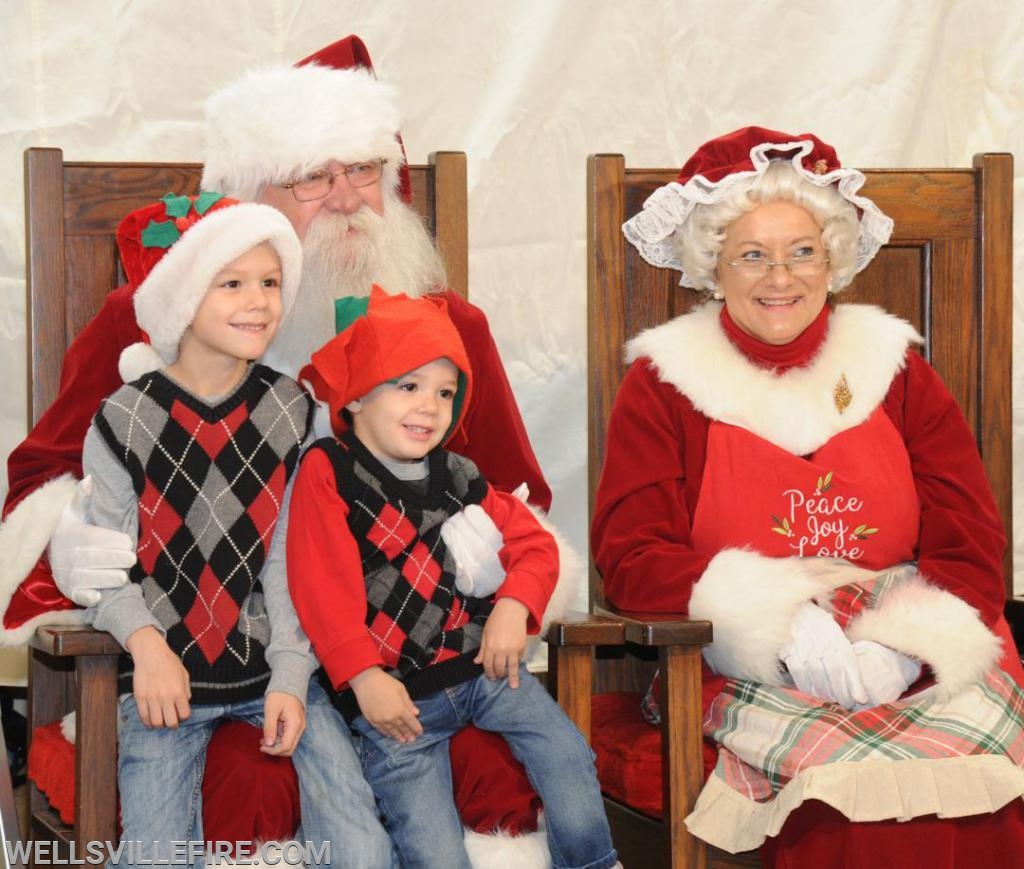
393 251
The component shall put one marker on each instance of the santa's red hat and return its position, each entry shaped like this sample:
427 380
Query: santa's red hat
172 249
732 161
281 122
381 338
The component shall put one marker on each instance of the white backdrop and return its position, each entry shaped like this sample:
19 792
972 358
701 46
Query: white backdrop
527 88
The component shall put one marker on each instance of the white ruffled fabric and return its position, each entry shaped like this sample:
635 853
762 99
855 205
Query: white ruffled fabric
665 210
953 787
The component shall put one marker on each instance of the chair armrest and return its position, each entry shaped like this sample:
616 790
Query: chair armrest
63 642
660 629
586 629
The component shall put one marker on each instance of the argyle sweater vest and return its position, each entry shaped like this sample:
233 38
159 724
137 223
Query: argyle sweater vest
426 631
209 482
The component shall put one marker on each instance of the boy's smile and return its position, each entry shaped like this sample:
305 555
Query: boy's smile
403 421
237 318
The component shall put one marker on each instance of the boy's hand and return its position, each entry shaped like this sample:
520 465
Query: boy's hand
504 641
386 704
160 683
284 721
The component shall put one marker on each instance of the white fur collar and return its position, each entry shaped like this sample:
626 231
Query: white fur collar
796 410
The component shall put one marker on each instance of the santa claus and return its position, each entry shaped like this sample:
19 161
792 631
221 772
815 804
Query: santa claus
319 142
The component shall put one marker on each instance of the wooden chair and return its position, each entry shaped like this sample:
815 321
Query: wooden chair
71 213
947 269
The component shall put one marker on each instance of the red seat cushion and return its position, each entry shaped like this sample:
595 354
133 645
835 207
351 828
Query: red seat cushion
628 752
51 766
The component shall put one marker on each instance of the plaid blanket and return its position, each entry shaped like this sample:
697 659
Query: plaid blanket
913 757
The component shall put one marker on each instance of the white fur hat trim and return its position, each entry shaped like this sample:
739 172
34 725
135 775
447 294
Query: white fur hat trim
275 124
138 359
167 300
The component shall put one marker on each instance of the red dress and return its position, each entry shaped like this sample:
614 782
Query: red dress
673 496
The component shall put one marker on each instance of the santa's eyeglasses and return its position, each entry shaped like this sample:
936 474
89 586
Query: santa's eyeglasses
316 185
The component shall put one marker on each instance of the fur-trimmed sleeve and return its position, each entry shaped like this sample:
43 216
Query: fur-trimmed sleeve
641 536
44 469
962 541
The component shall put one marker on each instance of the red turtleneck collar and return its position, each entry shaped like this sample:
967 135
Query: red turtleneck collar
781 357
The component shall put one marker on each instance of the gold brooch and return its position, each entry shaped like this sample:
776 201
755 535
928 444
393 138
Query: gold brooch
841 395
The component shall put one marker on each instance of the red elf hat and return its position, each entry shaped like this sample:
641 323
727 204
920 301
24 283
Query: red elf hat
381 338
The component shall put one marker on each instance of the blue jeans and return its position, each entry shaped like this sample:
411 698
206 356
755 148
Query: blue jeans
413 781
160 774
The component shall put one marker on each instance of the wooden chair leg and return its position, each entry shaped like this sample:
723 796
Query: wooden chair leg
76 668
681 751
96 749
10 829
570 668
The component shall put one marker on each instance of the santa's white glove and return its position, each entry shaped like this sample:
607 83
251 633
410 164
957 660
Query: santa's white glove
884 672
821 660
86 558
474 542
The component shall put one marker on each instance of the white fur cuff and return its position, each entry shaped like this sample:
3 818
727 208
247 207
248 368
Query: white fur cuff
934 626
750 600
570 572
26 532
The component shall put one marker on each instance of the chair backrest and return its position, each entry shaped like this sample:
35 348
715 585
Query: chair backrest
947 270
71 214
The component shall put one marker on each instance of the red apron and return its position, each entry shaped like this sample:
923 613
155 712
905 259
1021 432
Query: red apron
853 498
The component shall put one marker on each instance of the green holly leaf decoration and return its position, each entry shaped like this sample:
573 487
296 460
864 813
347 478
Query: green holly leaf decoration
862 532
177 206
781 526
159 234
206 199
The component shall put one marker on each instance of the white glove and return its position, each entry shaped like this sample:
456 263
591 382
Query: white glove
821 659
474 542
85 558
885 673
522 491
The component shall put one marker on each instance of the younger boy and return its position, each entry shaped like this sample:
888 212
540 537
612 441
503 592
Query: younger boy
410 658
191 458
